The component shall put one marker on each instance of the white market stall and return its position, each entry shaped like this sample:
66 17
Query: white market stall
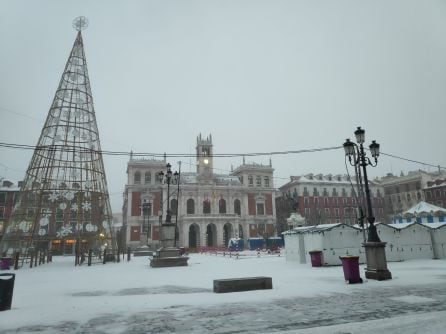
334 240
295 244
406 241
438 237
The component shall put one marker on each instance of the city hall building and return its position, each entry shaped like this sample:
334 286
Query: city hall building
208 208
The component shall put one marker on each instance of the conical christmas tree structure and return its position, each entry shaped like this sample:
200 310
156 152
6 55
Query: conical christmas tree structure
63 203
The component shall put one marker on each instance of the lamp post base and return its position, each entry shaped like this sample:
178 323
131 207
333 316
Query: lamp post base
375 253
168 255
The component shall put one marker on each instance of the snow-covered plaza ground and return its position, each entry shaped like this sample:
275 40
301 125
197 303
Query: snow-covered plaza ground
131 297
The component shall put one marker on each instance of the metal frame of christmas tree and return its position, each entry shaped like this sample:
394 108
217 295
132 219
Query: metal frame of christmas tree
64 199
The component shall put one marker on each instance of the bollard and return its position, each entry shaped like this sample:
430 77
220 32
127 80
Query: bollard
16 260
35 259
43 257
76 259
32 260
90 253
105 256
118 257
128 254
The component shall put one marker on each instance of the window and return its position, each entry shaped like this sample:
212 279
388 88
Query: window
335 192
335 201
258 181
418 196
221 206
2 212
305 191
260 209
408 197
241 179
148 178
315 193
336 212
190 206
137 178
345 201
266 179
307 211
316 200
306 200
326 201
346 212
250 180
347 221
2 198
325 192
327 212
353 201
174 206
428 195
206 206
237 208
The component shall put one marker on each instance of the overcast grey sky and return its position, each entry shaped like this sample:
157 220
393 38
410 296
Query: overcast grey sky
259 76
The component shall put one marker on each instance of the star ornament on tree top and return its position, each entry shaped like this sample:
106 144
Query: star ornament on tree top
80 23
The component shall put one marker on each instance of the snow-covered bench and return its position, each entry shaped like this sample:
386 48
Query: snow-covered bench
242 284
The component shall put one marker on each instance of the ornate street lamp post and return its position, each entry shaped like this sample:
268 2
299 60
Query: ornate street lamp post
168 177
375 249
169 254
146 209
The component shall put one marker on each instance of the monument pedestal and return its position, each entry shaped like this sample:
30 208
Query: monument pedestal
168 255
375 253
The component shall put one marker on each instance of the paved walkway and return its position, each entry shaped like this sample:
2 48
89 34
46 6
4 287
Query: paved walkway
280 315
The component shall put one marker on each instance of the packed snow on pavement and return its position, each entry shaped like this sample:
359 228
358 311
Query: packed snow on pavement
132 297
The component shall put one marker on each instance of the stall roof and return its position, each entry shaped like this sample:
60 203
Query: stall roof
423 207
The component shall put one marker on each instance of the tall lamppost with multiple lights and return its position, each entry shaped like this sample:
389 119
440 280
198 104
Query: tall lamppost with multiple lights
146 209
169 254
374 247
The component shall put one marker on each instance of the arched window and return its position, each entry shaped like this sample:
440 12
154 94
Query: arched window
148 178
137 178
221 206
206 206
174 206
237 209
190 206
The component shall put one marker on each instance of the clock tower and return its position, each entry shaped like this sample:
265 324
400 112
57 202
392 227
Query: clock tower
204 156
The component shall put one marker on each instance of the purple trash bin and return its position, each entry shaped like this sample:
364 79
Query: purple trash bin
5 263
350 265
316 258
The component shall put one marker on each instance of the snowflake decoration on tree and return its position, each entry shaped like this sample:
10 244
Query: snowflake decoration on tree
53 196
42 232
86 206
74 207
44 221
64 231
69 195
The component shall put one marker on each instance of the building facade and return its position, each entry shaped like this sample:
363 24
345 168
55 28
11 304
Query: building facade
208 208
404 191
327 199
435 192
8 193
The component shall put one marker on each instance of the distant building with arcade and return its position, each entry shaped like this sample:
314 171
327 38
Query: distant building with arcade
209 208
